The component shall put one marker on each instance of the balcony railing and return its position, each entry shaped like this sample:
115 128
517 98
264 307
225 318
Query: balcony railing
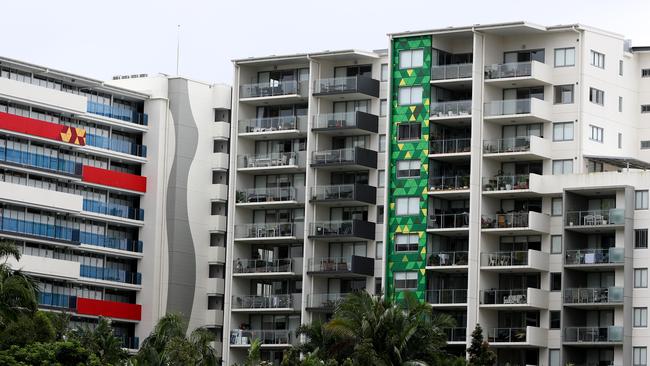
271 89
508 145
457 108
350 156
104 241
448 221
444 259
343 192
509 70
268 160
344 228
240 337
507 107
264 266
262 302
350 84
610 334
117 112
452 71
343 120
449 183
268 194
53 300
447 296
506 182
613 216
121 146
456 334
130 342
505 220
39 161
354 264
53 229
327 301
113 209
266 230
270 124
507 335
504 297
606 295
111 274
501 259
595 256
452 146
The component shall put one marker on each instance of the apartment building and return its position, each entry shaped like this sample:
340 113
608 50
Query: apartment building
517 188
110 205
307 158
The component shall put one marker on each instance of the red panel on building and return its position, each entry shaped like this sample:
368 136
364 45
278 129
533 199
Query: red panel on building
115 179
34 127
110 309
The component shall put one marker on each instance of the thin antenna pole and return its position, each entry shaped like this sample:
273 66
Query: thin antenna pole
178 47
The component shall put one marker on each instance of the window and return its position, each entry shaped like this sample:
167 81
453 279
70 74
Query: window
382 143
641 238
553 357
645 73
620 104
596 96
383 107
410 95
639 356
380 214
556 206
407 242
595 133
377 286
640 317
597 59
556 281
645 108
407 206
564 166
563 131
565 57
384 72
381 178
555 319
406 280
379 250
620 67
641 200
620 140
411 58
409 131
408 168
645 144
563 94
640 277
556 244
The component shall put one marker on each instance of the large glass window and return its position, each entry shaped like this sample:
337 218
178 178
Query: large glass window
597 59
596 133
407 242
640 277
409 59
563 131
563 94
641 238
384 72
409 131
410 95
596 96
406 206
640 356
406 280
565 57
408 168
564 166
641 200
640 317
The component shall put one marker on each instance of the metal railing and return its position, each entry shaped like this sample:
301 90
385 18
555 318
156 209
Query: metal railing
452 71
459 182
504 259
447 296
334 192
113 209
450 146
265 230
442 259
122 146
244 337
327 301
267 194
269 124
338 156
507 335
330 264
263 265
504 297
604 295
613 216
342 228
507 107
505 221
271 89
506 182
456 334
111 274
448 221
336 120
104 241
507 145
607 334
262 302
117 112
595 256
454 108
337 84
508 70
267 160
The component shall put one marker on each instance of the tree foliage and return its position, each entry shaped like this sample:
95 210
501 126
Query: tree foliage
479 352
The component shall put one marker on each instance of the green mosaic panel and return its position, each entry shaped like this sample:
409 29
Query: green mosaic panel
417 149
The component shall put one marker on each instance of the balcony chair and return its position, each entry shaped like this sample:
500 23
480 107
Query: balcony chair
589 220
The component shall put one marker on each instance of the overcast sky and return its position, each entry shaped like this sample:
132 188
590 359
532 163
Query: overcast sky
104 38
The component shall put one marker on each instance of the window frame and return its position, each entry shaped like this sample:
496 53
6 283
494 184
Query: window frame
564 162
383 73
599 135
383 107
410 90
553 201
642 320
552 277
409 201
557 94
408 245
410 129
564 125
596 96
411 53
564 57
643 278
597 59
643 356
552 247
640 238
410 170
643 193
406 280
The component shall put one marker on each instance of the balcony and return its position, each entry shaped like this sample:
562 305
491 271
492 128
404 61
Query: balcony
454 186
516 261
447 298
345 267
593 297
344 195
518 74
347 88
111 274
41 162
131 245
451 74
448 224
274 92
595 220
267 268
288 303
346 124
524 223
592 336
284 127
120 146
518 337
277 197
451 112
456 335
117 112
270 232
113 209
57 301
58 230
452 149
324 303
448 261
594 258
342 230
522 185
283 162
515 299
531 110
240 338
130 343
517 148
356 158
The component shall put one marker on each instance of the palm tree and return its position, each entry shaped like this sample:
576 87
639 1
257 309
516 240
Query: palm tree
18 291
101 341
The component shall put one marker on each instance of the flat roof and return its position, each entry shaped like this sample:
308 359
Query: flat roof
307 55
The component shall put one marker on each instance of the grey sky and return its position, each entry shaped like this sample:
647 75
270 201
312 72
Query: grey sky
105 38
